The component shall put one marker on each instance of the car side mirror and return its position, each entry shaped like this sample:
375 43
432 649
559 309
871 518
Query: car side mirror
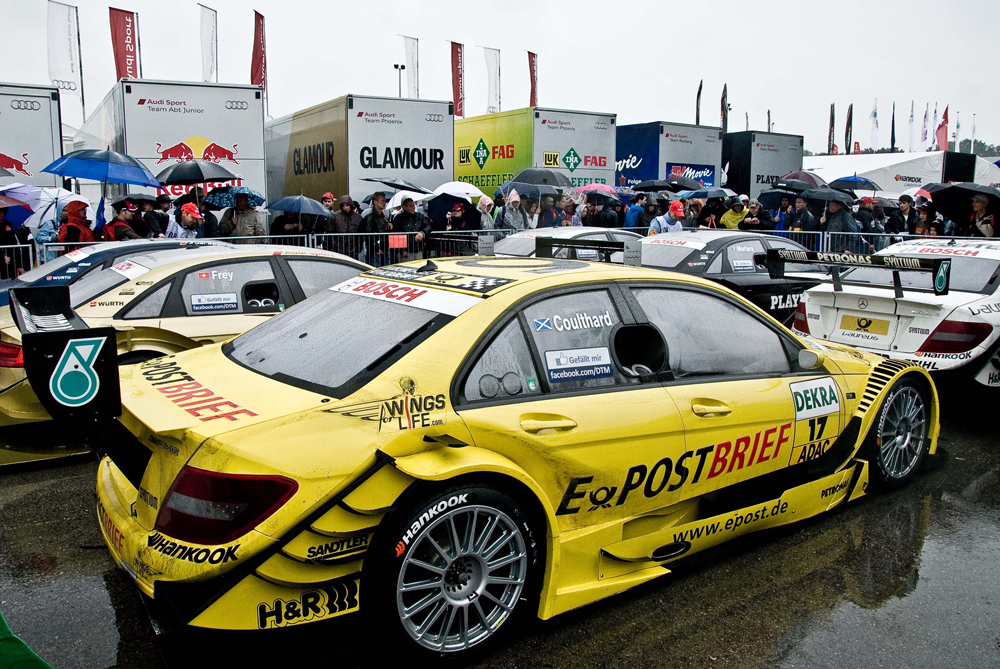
810 359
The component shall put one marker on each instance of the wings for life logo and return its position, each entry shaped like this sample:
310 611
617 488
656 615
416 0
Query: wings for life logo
572 159
74 381
198 147
408 410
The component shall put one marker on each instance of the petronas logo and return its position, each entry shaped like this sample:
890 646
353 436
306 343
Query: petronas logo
941 277
74 381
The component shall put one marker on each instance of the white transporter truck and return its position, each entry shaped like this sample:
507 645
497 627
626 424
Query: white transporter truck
336 145
162 123
30 133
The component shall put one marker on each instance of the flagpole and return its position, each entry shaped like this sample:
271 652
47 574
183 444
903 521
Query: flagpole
79 52
138 41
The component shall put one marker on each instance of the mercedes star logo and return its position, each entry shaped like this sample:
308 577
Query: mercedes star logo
862 303
434 118
237 104
25 105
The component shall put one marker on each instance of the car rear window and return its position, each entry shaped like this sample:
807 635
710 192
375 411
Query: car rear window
521 244
970 275
664 255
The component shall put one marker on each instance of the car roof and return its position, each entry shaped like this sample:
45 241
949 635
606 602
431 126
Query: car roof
943 247
564 231
705 236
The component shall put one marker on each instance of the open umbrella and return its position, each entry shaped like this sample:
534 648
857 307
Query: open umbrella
300 204
103 166
439 205
771 198
42 202
886 203
675 184
855 183
794 185
5 173
652 185
192 172
543 177
460 189
527 191
955 200
810 178
226 197
598 188
398 184
6 201
397 199
705 193
827 195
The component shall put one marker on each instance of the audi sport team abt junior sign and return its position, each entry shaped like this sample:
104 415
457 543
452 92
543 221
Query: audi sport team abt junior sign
30 133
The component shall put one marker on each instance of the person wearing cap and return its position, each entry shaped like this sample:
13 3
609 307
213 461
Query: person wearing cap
241 220
712 213
745 200
118 229
77 227
328 201
757 218
144 221
732 218
416 225
672 221
186 224
650 211
904 220
981 222
926 217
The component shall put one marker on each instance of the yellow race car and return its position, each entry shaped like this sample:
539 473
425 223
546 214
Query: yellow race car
453 446
167 300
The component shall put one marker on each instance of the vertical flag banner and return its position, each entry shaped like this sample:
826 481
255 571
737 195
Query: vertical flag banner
258 62
829 140
533 74
874 119
64 49
493 78
411 45
748 120
697 104
458 77
209 44
913 104
923 133
934 125
847 130
125 43
725 108
958 131
972 146
769 120
892 135
941 136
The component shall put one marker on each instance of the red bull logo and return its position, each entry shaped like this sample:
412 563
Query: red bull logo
198 147
180 151
217 153
18 166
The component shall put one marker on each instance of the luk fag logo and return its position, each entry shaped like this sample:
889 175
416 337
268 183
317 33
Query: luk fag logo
571 159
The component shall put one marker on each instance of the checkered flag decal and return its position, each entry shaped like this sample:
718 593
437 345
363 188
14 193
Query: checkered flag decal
482 284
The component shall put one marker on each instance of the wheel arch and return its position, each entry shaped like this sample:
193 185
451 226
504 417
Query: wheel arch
869 411
154 340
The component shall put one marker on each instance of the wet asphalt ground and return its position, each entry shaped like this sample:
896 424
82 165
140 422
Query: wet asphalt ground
908 579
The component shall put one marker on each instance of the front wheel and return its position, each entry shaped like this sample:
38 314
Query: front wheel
898 441
455 574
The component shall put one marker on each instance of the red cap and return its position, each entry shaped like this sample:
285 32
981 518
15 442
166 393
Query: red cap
677 208
192 209
328 196
868 200
457 207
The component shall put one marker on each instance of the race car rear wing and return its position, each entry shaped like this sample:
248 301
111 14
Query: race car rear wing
547 247
776 260
72 368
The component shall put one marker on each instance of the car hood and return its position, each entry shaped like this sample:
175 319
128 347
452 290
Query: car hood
849 359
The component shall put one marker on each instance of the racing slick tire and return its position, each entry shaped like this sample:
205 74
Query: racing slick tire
898 441
453 572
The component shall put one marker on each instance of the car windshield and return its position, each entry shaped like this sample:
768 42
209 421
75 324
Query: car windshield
334 342
664 255
53 266
970 275
516 245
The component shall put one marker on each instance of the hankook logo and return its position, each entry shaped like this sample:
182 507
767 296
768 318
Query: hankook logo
25 105
64 85
237 104
434 118
601 125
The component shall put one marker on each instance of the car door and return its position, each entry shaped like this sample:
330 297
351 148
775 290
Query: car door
546 392
215 301
747 408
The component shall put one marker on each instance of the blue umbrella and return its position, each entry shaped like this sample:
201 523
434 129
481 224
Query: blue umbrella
855 183
226 196
301 204
706 193
103 166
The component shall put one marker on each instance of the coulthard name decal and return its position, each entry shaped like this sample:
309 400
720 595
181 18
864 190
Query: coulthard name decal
191 396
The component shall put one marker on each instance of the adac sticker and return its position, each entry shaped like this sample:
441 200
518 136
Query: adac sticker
818 397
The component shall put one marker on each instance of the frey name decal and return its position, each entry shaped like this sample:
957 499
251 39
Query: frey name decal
818 397
205 404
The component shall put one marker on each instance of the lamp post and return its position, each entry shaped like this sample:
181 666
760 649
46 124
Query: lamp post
399 69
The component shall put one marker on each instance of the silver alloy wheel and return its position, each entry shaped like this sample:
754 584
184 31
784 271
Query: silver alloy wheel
461 578
902 430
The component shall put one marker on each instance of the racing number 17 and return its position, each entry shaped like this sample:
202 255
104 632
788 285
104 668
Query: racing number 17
815 433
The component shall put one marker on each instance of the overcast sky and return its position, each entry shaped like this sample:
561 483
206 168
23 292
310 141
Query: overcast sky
794 58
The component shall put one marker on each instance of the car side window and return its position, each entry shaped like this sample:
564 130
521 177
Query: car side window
504 369
715 266
572 333
776 243
740 256
149 306
317 275
708 335
236 288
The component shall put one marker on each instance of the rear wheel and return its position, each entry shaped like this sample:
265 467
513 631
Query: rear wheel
898 441
453 576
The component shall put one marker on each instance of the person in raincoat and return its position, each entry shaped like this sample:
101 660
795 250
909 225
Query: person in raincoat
732 218
242 221
48 232
486 209
512 216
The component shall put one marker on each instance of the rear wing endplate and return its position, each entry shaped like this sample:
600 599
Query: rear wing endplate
940 267
72 368
603 250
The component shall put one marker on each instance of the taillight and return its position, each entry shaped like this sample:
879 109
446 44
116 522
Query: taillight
204 507
801 321
11 355
956 337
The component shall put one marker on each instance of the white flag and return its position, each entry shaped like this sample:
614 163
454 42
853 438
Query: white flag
411 48
874 119
972 147
493 77
923 133
64 49
958 132
209 44
934 144
912 142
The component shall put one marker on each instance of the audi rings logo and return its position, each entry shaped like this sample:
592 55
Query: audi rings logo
492 110
25 105
64 85
237 104
601 125
434 118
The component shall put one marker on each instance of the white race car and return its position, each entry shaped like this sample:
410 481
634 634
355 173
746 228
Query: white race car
955 332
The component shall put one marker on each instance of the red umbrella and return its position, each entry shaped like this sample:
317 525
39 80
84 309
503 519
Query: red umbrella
6 201
598 188
808 177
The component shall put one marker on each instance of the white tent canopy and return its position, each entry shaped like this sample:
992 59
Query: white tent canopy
894 172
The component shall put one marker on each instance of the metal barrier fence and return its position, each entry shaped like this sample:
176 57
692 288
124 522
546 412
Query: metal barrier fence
14 261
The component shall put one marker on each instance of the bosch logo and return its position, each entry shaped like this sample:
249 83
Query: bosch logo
25 105
601 125
64 85
434 118
237 104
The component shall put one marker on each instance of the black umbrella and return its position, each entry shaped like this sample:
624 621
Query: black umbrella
136 198
527 191
398 184
811 178
794 185
657 185
300 204
828 195
955 200
194 172
886 203
543 177
675 184
771 198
